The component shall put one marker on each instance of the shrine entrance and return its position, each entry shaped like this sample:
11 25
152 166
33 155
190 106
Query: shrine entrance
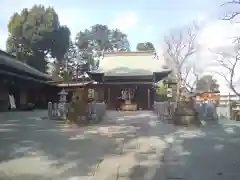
129 97
125 80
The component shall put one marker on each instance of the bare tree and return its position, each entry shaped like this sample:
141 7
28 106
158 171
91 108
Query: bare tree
229 60
191 83
180 46
232 9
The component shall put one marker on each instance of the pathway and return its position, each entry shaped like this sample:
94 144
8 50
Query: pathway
123 146
126 145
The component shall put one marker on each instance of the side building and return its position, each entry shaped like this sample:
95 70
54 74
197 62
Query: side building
24 83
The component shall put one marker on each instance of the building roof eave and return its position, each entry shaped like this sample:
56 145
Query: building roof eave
11 61
11 74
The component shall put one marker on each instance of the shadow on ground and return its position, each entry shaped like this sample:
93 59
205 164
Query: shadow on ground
126 145
209 152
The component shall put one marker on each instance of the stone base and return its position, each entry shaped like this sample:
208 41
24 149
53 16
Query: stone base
185 114
186 120
129 107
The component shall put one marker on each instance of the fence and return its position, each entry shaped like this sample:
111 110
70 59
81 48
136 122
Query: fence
226 99
206 111
224 111
229 107
164 110
59 110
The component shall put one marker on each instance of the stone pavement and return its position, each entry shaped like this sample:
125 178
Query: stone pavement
209 153
126 145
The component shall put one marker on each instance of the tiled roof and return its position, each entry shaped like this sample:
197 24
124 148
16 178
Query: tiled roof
131 64
10 61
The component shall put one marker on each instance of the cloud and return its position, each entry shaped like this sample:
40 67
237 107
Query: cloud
149 29
219 33
3 36
217 36
74 18
201 17
125 22
3 42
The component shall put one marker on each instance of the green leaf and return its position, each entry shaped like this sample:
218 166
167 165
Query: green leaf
35 34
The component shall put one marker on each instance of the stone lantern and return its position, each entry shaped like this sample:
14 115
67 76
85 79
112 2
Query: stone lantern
63 96
62 103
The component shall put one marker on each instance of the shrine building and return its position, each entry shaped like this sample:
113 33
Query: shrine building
125 80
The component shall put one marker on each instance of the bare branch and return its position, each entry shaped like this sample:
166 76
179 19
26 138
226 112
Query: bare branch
224 76
231 2
229 62
180 46
185 73
233 14
195 71
191 84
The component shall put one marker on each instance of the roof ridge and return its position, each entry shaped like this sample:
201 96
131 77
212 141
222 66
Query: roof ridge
132 53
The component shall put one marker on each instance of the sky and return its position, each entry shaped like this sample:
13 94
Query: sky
141 20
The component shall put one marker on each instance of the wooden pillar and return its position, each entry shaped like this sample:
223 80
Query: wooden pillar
98 97
95 94
44 98
23 96
108 99
149 101
101 94
4 98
